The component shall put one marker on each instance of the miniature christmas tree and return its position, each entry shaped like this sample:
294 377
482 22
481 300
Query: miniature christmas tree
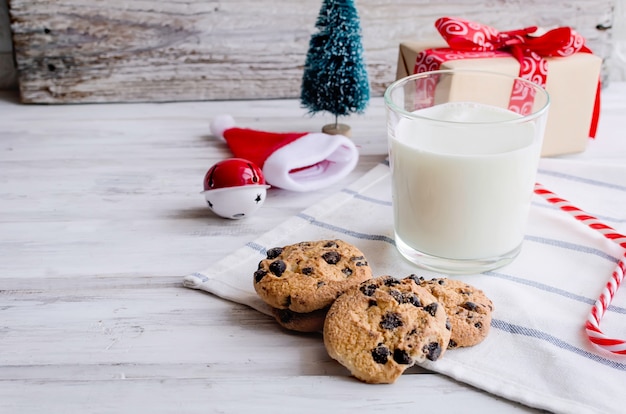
335 76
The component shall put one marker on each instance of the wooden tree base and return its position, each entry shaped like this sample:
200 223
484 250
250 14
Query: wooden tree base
337 129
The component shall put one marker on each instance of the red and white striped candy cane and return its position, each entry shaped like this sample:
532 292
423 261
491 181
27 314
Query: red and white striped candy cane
592 326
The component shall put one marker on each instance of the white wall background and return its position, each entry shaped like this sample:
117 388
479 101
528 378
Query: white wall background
617 69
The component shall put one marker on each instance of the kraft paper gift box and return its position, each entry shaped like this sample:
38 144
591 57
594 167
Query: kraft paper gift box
572 83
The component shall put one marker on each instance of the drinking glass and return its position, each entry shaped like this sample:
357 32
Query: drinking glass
464 147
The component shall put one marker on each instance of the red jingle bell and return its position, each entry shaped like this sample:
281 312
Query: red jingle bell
234 188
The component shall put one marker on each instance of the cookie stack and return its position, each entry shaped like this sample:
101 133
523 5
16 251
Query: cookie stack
302 280
375 327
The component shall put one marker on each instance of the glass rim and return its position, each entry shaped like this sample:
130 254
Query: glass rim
411 115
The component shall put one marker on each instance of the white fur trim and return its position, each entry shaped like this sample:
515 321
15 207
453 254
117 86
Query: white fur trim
329 158
221 123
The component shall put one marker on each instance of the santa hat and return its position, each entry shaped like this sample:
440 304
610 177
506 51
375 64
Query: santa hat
297 161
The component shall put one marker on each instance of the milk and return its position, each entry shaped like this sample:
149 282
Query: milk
463 191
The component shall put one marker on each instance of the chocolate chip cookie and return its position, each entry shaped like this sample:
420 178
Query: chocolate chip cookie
301 322
309 276
468 309
383 326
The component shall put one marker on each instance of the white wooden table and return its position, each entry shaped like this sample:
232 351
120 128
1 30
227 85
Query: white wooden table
100 218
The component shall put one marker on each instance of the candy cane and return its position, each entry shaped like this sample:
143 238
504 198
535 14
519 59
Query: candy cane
617 346
592 326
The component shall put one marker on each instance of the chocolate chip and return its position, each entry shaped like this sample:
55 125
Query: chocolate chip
331 244
401 357
331 257
397 295
432 308
285 315
391 320
478 325
278 267
371 303
359 260
405 298
415 278
452 344
307 271
390 281
412 299
347 271
259 274
441 282
380 354
368 290
470 306
448 325
432 351
274 252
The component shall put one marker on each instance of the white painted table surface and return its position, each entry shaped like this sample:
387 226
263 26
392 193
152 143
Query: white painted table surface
100 218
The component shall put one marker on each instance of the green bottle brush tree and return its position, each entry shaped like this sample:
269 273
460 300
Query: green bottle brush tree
335 75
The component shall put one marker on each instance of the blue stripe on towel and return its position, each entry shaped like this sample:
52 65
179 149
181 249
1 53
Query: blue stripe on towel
537 334
257 247
552 289
360 196
582 180
355 234
571 246
599 217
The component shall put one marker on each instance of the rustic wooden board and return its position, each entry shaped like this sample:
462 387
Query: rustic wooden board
71 51
101 216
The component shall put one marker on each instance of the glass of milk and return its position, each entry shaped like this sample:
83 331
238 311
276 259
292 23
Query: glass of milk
464 147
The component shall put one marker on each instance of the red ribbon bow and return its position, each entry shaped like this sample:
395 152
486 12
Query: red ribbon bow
469 39
465 35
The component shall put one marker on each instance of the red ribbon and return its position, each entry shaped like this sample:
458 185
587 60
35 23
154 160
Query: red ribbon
469 39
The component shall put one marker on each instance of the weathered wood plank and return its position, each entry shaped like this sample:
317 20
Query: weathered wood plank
8 74
100 216
83 173
104 51
110 342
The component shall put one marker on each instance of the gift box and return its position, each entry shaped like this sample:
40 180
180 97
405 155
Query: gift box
571 78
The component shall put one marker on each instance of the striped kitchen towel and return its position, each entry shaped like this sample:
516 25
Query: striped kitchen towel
537 352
